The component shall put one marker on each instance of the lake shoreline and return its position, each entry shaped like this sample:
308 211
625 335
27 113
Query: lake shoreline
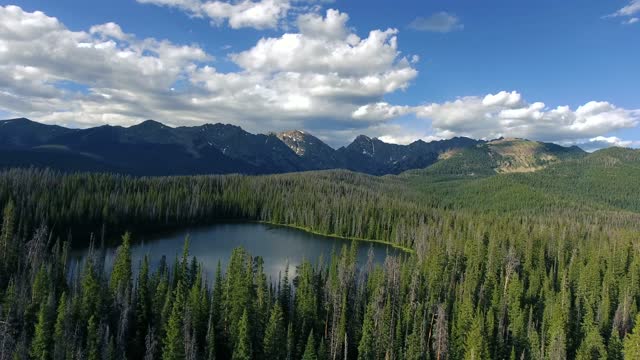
311 231
136 230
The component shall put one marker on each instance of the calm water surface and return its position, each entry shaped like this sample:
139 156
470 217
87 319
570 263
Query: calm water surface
277 245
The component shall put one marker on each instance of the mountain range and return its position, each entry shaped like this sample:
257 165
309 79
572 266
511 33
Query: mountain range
152 148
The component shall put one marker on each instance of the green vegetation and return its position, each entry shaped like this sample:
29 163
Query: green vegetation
529 265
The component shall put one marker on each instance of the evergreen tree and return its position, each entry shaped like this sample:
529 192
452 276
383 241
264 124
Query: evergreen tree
91 301
92 348
632 342
60 329
174 339
142 308
615 348
210 346
7 248
592 346
475 346
414 349
290 345
242 350
275 335
121 273
42 339
367 347
310 349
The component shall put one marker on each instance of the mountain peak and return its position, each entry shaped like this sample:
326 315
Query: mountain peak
362 138
297 140
21 120
151 124
294 134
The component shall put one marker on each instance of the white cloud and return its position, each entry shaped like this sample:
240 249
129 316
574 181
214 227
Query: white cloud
260 14
628 11
442 22
263 14
380 111
325 45
333 26
191 6
508 114
315 79
601 142
407 139
110 29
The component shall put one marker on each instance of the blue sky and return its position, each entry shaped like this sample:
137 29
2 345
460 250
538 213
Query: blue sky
559 53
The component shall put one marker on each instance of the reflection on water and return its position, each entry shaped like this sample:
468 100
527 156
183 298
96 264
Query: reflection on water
277 246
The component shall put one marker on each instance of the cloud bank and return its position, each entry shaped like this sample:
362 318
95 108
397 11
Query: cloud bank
508 114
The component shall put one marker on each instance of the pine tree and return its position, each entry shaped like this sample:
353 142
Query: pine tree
91 301
174 339
310 349
322 350
367 347
210 345
275 335
615 348
306 300
290 345
121 273
42 340
142 308
60 329
592 346
242 349
7 255
475 345
93 351
414 349
632 342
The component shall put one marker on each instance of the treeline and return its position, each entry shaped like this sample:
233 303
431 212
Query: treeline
340 203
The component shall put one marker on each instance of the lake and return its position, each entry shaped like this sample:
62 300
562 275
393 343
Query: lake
277 245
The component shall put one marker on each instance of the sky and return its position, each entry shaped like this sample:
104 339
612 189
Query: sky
560 71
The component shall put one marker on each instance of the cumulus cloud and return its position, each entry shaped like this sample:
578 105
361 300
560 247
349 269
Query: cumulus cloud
261 14
380 111
508 114
442 22
601 142
313 79
628 12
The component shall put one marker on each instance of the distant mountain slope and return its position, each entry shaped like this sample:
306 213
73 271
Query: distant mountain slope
314 153
151 148
374 156
604 180
504 156
24 133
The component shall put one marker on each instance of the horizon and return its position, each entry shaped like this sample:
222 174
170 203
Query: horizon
398 73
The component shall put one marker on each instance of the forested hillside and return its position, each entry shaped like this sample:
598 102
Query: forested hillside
530 265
